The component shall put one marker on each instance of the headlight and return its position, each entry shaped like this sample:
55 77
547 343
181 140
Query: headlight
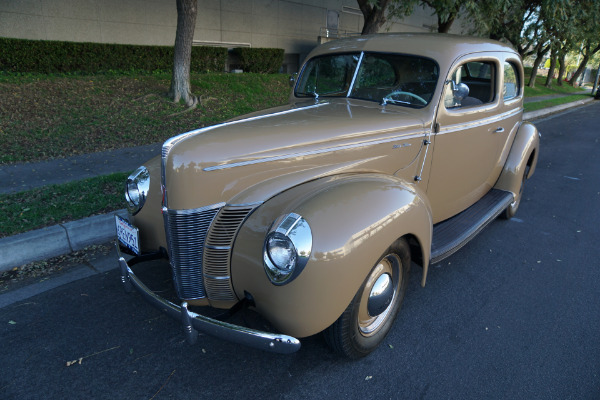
287 248
136 189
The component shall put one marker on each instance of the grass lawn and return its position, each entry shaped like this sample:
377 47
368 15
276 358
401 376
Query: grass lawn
44 117
54 204
541 90
538 105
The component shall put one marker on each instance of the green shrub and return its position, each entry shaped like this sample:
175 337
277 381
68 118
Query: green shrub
259 60
45 56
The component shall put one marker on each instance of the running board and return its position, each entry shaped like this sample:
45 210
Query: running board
452 234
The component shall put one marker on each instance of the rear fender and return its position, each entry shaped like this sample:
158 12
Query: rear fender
524 152
353 219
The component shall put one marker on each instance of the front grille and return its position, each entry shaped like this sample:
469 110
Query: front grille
186 232
217 251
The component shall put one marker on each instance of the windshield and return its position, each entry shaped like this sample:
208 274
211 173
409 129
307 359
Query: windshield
385 78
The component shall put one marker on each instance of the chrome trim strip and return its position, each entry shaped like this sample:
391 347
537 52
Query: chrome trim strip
218 278
313 152
255 204
362 54
218 247
479 122
193 210
271 342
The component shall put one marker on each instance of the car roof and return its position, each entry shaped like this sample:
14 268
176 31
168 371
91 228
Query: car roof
437 46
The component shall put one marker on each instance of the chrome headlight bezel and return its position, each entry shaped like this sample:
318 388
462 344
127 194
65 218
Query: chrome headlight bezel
136 189
287 248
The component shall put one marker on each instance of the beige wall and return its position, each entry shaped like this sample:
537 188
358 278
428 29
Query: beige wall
293 25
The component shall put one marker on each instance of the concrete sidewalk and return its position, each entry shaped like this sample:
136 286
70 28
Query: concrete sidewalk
72 236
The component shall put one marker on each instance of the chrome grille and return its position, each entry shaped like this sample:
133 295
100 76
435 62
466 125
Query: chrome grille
186 232
217 252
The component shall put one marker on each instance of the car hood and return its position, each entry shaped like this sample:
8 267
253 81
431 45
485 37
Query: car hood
228 158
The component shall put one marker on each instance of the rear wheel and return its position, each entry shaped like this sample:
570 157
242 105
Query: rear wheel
369 317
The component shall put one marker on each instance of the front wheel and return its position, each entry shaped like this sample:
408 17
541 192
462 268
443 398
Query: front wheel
370 315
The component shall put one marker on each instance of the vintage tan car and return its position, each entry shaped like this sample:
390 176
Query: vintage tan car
394 149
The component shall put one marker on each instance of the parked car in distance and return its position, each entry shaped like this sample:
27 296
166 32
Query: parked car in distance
394 149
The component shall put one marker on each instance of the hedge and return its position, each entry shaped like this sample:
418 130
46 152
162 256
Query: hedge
259 60
45 56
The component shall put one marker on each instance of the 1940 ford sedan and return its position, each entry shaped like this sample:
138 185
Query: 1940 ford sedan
394 149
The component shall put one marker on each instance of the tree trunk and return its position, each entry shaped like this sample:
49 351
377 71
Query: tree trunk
553 58
562 66
587 54
374 15
444 26
180 82
595 88
534 70
540 52
580 70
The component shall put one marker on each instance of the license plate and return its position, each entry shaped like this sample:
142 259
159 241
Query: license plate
128 234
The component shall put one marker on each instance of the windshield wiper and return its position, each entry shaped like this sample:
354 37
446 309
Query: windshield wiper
386 100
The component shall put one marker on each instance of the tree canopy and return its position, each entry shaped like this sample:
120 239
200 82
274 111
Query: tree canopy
534 27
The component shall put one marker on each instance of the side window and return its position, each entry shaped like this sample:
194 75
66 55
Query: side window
479 78
512 85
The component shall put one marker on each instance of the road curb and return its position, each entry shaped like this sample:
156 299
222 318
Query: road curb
553 110
56 240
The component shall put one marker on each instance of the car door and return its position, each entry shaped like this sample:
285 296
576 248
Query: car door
470 136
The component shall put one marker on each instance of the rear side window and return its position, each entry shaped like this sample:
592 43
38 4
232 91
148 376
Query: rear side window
512 86
479 77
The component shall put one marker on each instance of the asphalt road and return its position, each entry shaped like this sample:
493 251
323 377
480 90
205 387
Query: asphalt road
513 315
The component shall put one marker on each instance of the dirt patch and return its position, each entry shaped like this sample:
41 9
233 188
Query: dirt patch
40 271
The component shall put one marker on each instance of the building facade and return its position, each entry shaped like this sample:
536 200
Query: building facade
294 25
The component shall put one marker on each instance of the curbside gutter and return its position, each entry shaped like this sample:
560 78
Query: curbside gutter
64 238
56 240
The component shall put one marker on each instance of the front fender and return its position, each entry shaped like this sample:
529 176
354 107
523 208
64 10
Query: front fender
524 152
354 219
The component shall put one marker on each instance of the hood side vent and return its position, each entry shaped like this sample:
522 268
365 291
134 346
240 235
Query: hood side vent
217 251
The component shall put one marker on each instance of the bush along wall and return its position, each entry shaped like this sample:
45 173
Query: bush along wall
45 56
259 60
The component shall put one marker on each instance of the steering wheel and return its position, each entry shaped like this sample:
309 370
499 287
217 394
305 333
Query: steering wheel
389 96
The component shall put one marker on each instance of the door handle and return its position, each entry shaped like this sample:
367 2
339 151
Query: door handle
499 130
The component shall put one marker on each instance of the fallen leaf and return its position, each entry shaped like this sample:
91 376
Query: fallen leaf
391 347
79 361
12 322
368 378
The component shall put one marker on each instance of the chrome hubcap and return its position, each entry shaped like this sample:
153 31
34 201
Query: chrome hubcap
379 295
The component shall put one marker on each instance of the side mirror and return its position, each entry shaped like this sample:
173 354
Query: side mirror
459 90
293 78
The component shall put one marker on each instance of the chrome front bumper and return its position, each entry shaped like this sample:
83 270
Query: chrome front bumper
194 323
